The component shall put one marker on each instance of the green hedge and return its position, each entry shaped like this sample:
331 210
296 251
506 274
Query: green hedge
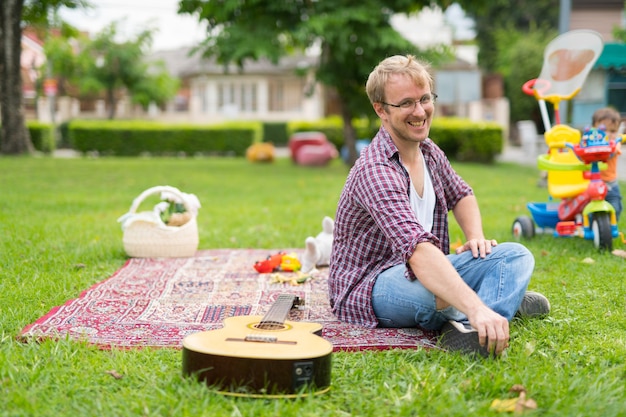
132 138
461 139
464 140
42 136
276 133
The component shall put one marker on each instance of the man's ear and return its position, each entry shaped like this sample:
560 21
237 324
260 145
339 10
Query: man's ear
379 108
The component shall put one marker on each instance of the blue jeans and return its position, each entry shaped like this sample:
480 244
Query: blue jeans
614 197
500 280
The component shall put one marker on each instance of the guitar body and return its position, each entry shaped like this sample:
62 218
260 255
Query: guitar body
245 359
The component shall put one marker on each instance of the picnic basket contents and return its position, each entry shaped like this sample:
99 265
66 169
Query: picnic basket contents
169 230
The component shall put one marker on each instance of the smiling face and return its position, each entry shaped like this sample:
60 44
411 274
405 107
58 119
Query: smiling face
406 126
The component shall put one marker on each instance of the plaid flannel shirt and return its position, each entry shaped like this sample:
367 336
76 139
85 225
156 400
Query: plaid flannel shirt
376 228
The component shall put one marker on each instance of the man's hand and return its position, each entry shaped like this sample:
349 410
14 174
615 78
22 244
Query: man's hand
493 330
479 247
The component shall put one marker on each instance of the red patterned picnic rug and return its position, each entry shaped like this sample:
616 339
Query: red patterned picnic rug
157 302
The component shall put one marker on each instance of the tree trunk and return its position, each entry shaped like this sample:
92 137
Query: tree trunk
15 136
349 134
111 101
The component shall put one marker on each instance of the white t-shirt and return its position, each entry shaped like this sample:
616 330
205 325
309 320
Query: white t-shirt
424 206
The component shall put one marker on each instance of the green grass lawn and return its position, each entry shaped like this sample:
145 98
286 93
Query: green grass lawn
59 236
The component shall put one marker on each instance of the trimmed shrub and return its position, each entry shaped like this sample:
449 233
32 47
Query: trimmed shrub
42 136
276 133
461 139
465 140
132 138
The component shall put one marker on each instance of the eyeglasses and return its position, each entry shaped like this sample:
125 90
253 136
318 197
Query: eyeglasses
409 104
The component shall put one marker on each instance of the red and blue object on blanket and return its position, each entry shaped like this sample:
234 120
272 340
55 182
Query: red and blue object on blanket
278 262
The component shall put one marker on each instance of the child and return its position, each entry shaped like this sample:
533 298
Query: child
610 119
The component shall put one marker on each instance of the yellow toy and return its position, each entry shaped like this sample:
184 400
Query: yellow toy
290 263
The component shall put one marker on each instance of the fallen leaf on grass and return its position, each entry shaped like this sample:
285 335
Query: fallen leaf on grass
619 252
514 405
529 348
588 261
115 374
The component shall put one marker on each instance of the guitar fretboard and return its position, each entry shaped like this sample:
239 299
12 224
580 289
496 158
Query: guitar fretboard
275 317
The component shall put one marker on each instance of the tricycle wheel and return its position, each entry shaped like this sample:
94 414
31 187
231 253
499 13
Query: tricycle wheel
523 227
601 228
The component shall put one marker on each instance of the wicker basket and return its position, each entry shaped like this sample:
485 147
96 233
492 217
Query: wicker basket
146 238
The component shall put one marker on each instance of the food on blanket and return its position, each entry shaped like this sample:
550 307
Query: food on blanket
297 279
278 262
270 264
290 263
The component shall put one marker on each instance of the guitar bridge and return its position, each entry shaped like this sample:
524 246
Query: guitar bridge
261 338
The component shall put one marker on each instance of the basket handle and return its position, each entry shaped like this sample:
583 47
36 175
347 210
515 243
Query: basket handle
158 189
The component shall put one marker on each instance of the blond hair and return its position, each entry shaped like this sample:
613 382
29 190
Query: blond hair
408 65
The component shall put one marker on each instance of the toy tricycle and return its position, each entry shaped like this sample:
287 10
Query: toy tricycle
573 162
582 211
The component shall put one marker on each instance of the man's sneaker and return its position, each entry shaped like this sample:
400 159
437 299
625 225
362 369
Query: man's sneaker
461 337
533 304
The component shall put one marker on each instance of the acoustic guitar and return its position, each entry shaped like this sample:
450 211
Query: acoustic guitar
256 356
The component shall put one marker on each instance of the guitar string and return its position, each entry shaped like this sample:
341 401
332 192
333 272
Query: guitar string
274 319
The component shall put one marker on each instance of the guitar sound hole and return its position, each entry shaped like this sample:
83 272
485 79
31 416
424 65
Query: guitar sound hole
270 326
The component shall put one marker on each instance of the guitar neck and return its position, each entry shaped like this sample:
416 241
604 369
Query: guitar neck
278 313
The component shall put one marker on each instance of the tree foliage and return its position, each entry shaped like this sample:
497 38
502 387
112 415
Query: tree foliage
122 66
60 60
352 38
519 59
106 65
495 17
620 33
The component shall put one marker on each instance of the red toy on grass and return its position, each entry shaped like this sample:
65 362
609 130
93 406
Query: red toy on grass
311 148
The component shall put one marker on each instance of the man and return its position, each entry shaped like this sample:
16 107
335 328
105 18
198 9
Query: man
389 265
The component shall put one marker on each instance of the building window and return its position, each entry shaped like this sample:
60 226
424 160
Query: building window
239 95
276 96
286 95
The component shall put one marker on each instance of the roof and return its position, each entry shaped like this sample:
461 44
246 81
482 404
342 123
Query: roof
598 4
184 62
613 56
